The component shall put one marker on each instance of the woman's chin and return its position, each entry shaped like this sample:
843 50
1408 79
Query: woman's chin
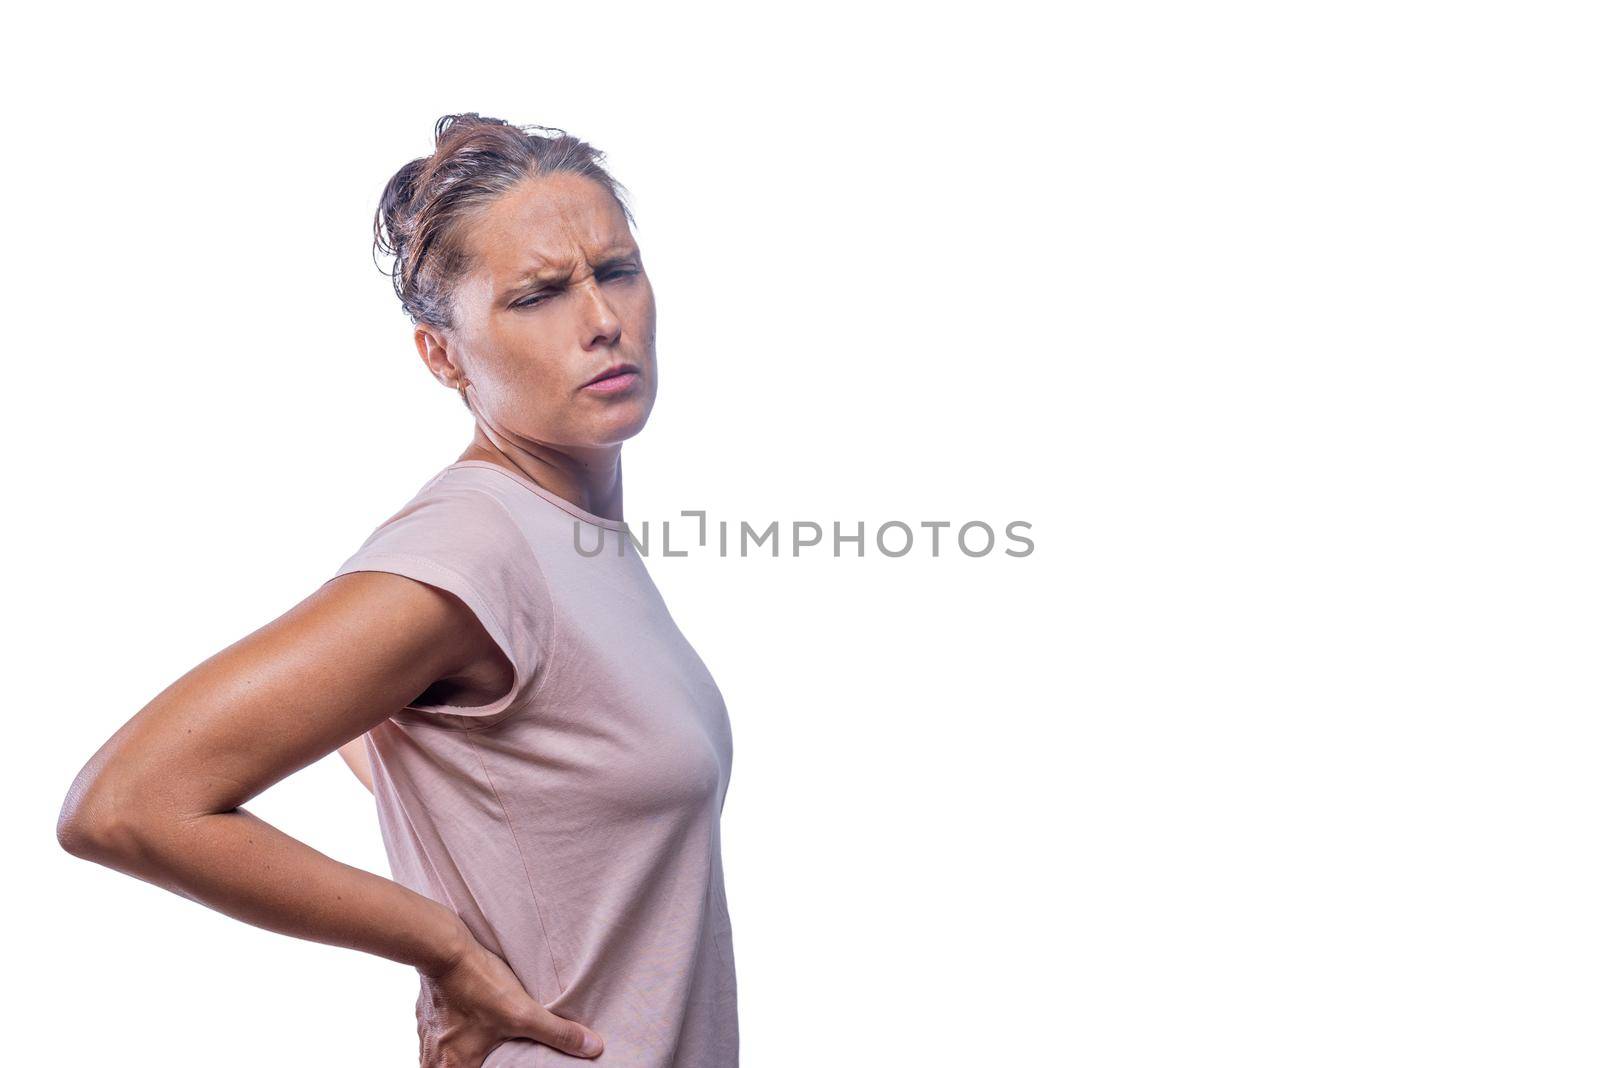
618 425
625 420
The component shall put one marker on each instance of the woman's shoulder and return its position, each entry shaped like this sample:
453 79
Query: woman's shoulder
457 506
458 522
458 536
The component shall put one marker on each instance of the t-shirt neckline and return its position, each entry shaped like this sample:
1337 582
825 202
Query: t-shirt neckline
555 499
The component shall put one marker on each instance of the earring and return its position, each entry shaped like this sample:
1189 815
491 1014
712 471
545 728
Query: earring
461 388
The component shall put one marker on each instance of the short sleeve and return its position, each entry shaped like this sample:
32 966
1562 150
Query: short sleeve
464 542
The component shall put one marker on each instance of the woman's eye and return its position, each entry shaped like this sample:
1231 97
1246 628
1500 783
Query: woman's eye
539 298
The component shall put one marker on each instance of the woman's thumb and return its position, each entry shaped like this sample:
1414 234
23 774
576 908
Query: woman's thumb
564 1035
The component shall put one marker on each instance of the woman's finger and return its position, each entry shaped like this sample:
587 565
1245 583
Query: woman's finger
538 1022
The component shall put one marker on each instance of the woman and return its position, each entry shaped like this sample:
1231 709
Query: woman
548 754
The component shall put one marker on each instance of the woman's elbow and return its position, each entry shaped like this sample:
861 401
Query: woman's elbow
87 836
93 827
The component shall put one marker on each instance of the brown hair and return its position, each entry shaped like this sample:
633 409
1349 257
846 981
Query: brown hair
475 159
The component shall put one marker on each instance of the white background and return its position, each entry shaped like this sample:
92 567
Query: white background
1277 322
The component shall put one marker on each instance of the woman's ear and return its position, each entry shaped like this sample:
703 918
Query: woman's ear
438 354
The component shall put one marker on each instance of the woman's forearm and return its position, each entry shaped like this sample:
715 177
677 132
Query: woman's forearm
246 868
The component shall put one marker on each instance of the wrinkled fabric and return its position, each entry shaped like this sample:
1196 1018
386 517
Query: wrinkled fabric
573 823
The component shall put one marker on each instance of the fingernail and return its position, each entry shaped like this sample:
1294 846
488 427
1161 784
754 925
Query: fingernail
591 1044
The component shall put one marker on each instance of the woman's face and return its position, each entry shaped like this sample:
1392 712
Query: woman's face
555 296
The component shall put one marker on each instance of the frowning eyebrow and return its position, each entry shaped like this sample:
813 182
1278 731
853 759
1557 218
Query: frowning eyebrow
549 275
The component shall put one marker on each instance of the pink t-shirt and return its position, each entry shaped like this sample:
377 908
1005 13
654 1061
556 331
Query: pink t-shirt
574 823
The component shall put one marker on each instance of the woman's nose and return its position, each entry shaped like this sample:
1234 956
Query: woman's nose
603 321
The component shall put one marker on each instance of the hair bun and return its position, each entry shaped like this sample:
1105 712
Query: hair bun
475 159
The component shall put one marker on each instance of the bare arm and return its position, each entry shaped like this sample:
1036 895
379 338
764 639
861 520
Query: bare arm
355 755
161 799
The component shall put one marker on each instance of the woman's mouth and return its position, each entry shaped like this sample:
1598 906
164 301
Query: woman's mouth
614 380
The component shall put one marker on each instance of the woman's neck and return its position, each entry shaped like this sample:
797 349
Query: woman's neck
591 479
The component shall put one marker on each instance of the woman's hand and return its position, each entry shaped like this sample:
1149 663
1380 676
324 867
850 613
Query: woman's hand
476 1002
